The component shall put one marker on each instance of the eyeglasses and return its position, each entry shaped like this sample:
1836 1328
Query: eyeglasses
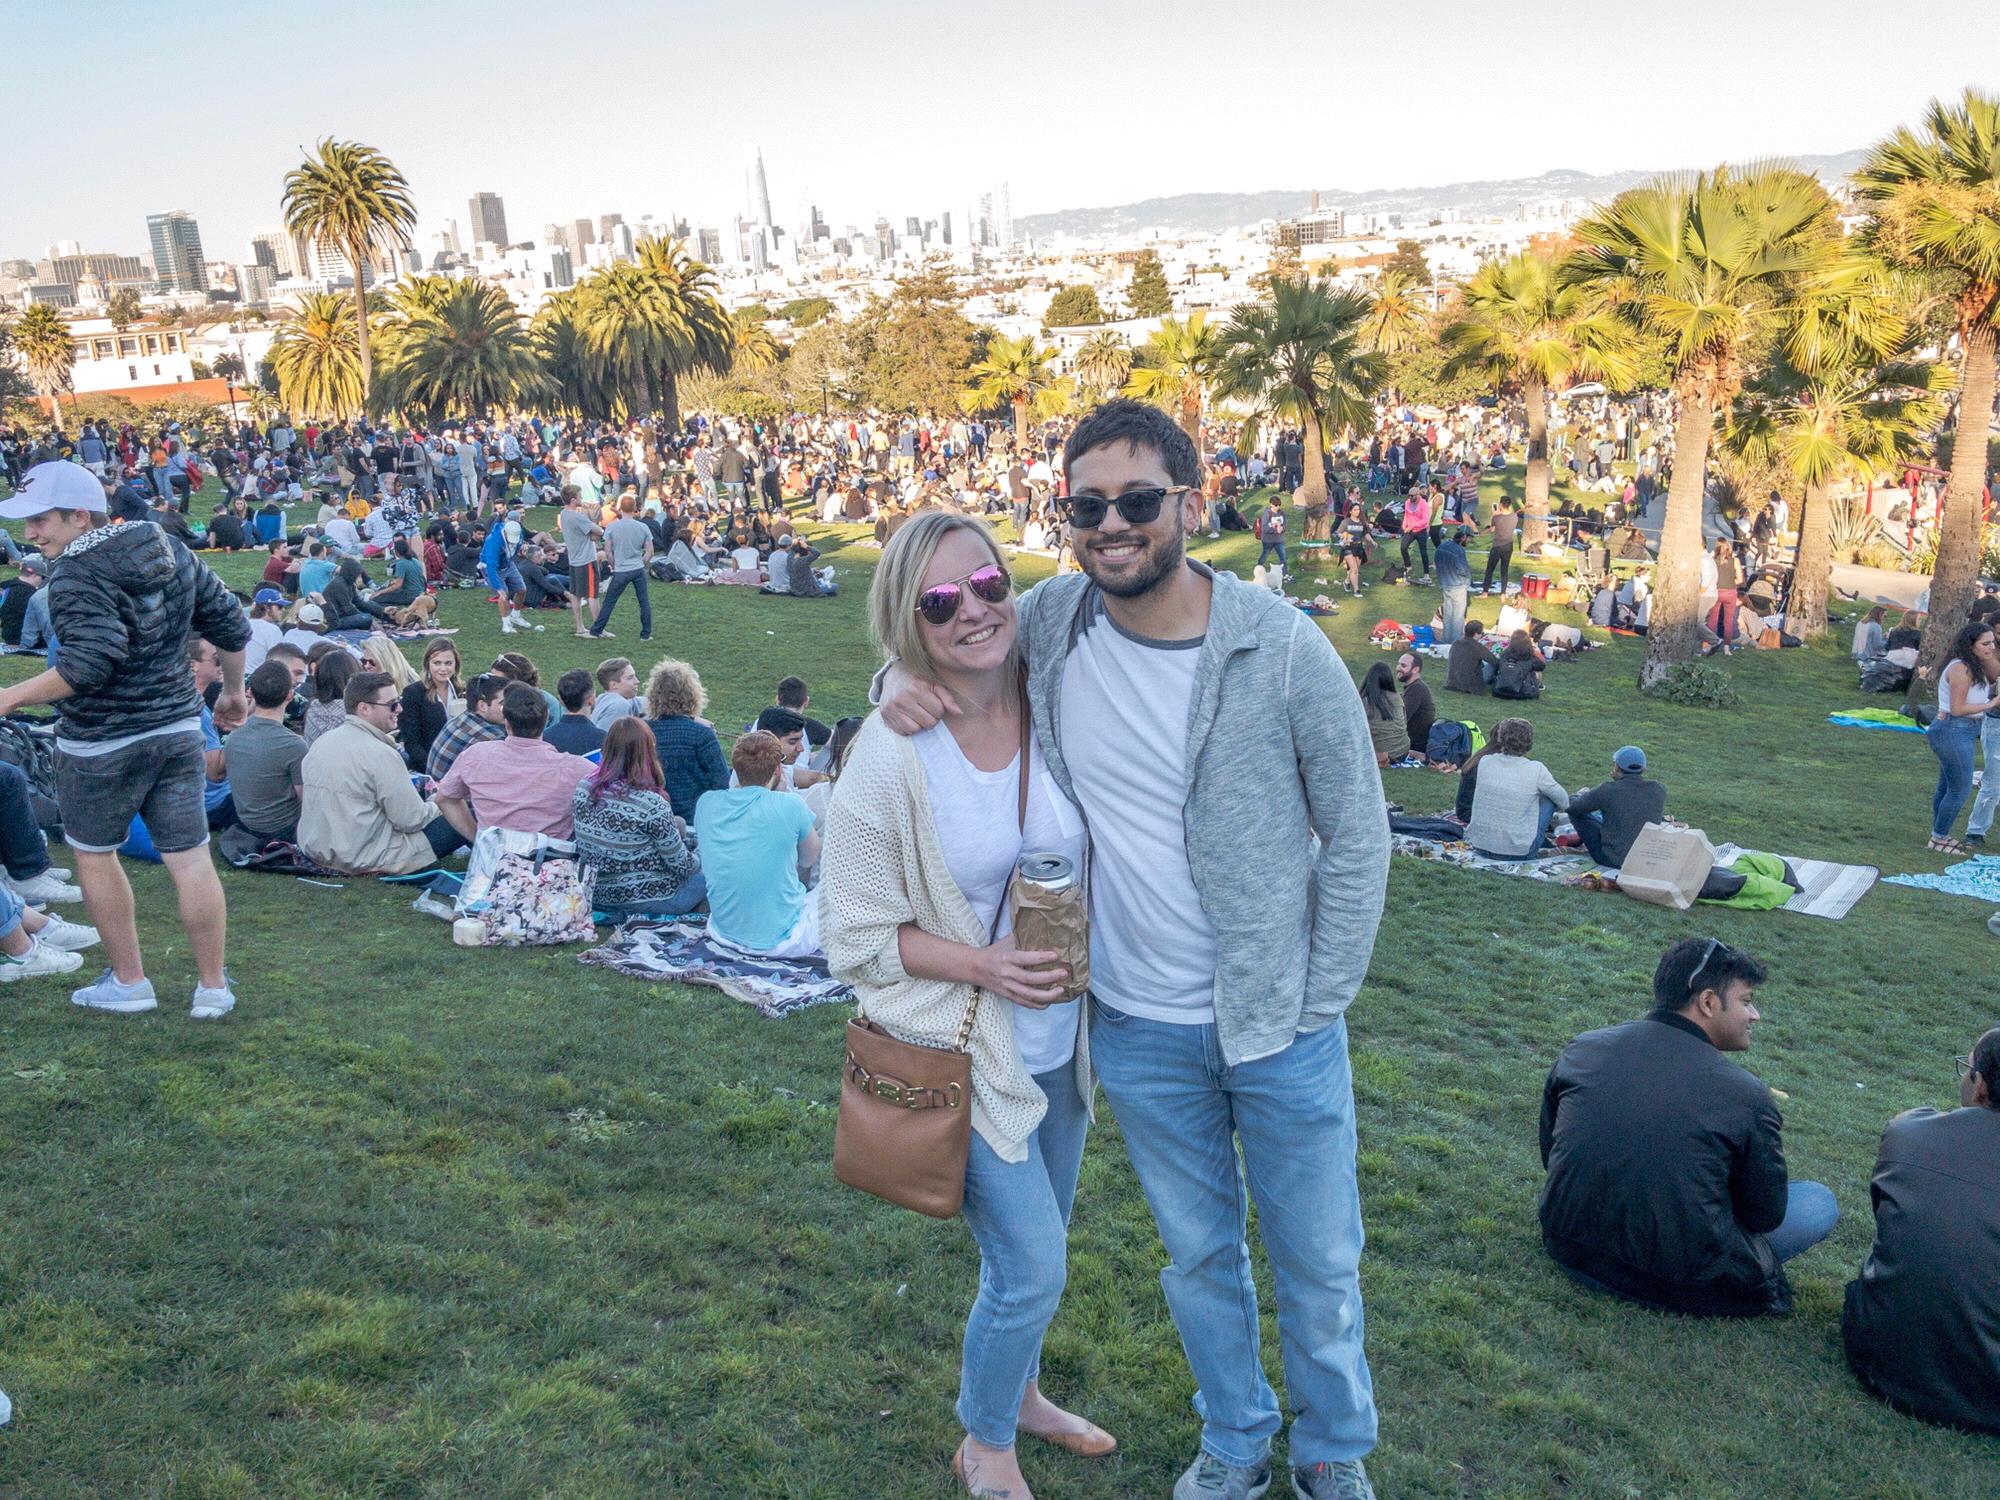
1136 506
394 705
1715 946
1964 1061
940 602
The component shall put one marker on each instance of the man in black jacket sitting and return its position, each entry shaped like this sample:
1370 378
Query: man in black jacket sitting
1666 1175
1609 816
1922 1321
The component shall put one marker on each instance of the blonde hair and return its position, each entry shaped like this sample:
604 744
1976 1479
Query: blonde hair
674 687
899 581
384 657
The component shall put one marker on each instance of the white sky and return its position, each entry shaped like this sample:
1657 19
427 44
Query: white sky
593 106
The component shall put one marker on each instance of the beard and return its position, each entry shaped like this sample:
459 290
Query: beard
1159 561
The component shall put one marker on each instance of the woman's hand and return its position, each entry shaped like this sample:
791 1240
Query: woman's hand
1032 978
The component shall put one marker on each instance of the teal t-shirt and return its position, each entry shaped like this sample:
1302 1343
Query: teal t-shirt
749 841
313 575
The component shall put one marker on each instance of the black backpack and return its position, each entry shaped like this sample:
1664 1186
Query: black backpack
30 744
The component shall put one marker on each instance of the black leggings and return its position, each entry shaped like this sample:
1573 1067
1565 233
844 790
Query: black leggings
1502 557
1423 542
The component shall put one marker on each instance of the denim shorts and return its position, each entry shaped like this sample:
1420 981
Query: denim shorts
505 579
159 778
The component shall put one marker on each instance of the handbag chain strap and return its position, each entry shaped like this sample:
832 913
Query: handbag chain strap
1021 821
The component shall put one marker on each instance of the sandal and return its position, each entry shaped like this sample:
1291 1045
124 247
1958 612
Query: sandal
1947 846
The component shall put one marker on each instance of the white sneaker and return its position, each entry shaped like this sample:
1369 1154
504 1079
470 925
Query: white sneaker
507 625
47 886
110 995
40 959
61 872
71 937
212 1004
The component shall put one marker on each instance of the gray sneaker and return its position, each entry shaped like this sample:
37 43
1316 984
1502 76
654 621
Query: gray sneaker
1348 1481
1209 1478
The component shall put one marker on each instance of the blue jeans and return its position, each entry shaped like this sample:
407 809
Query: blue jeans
1018 1213
1183 1112
693 891
1951 741
1590 828
1265 549
11 907
1810 1216
1454 612
1989 784
1545 811
636 581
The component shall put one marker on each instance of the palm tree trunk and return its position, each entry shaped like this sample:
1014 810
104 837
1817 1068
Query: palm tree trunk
1191 416
1020 424
1957 570
357 255
670 401
1535 488
1312 489
1675 630
1812 567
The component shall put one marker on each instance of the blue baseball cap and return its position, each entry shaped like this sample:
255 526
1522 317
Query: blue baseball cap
267 596
1629 758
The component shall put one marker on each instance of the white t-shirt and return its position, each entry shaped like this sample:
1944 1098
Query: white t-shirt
975 813
1124 737
264 634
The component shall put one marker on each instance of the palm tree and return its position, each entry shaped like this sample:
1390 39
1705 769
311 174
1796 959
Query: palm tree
462 353
645 323
1014 373
1703 265
1843 402
699 330
1104 361
576 383
1398 315
318 359
1936 204
1519 323
1175 367
1302 356
752 348
351 199
49 353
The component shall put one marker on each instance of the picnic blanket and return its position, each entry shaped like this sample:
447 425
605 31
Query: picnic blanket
683 952
1876 718
1563 865
1830 890
356 637
1978 877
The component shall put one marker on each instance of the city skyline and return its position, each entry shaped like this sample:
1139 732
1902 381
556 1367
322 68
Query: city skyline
1452 95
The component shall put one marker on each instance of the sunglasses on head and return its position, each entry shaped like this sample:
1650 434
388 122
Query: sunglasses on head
1716 947
940 602
1136 506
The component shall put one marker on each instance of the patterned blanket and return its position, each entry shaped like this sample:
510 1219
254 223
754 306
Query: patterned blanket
681 952
1978 877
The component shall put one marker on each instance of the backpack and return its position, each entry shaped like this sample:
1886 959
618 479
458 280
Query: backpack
1449 744
29 744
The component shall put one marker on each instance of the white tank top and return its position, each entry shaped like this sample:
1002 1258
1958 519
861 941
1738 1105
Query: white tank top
1977 693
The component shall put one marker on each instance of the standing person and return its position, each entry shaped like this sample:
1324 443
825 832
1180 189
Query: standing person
630 544
510 589
1722 614
1500 551
1965 696
1454 576
580 536
1271 532
922 843
1416 529
1226 1027
123 602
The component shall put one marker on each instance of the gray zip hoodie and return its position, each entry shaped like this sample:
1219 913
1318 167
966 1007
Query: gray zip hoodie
1277 752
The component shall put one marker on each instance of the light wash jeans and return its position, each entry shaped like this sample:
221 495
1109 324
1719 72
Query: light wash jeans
1183 1113
1988 801
1453 612
1018 1213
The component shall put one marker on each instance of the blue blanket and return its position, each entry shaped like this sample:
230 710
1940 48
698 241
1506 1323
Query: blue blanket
1978 877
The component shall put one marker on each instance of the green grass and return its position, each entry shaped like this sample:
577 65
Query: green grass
419 1221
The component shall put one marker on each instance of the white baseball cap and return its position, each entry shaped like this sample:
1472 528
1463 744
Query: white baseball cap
56 485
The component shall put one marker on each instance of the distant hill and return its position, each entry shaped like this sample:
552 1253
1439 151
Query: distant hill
1212 213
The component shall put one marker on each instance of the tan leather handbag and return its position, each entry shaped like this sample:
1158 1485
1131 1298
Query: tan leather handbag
905 1125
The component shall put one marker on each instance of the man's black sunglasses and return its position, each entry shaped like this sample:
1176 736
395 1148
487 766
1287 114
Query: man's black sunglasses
1136 506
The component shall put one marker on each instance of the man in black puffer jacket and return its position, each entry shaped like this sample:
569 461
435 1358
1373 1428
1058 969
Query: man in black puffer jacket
123 600
1667 1180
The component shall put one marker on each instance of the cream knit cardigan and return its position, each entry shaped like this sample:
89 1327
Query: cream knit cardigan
882 866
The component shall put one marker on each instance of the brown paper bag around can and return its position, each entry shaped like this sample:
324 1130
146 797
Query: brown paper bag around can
1055 922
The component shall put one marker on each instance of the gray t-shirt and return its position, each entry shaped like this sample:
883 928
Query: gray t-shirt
1124 737
626 540
579 535
263 759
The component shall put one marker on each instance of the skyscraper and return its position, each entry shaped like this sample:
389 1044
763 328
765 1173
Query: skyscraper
756 194
606 223
178 264
489 218
1003 225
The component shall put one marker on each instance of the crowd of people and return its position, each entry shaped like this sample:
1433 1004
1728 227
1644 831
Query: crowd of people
886 843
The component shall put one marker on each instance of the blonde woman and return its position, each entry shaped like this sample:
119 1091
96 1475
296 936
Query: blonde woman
380 655
922 838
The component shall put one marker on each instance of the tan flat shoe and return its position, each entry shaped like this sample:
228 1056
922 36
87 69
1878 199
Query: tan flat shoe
1095 1442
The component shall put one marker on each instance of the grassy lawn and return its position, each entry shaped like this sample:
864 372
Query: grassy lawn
420 1221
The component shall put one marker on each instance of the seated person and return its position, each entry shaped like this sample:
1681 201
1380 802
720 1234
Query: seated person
806 582
1922 1321
627 832
347 607
617 692
33 943
754 840
405 584
1908 634
574 732
480 720
1514 798
20 593
1382 706
1470 665
1519 674
682 561
1868 637
264 757
778 571
789 726
543 586
358 812
1419 708
1666 1173
520 781
1609 816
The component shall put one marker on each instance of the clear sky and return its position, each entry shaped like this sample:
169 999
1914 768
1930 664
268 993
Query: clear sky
572 108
